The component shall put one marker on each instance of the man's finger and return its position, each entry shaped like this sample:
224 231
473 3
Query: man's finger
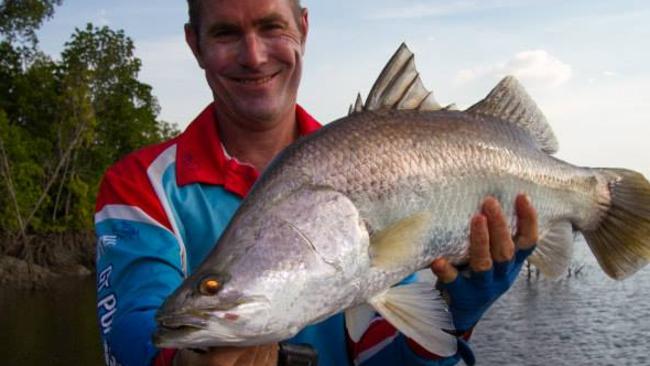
502 247
445 272
267 356
527 234
480 259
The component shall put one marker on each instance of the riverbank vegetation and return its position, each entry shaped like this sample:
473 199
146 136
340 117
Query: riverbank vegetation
63 121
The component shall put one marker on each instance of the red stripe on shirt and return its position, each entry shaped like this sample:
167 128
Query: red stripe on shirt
378 331
127 183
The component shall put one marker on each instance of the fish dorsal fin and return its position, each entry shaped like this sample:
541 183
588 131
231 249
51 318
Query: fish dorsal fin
357 106
399 87
509 101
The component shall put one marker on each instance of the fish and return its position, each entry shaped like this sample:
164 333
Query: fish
341 217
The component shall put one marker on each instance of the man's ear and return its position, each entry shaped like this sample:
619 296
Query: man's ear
304 27
192 40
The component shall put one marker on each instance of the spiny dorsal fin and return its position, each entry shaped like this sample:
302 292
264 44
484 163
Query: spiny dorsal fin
357 106
509 101
399 86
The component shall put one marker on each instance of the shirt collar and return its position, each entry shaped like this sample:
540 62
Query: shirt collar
200 157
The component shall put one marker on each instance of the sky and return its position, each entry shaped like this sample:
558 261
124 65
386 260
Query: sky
585 62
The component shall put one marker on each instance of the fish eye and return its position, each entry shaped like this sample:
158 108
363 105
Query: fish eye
209 286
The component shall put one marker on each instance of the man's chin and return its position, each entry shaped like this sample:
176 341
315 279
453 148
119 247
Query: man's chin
264 113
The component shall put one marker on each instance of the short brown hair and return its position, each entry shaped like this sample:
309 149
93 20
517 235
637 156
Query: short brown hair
195 11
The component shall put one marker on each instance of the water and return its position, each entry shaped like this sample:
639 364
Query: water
53 327
585 320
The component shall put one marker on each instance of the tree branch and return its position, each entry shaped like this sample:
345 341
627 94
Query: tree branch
6 172
54 176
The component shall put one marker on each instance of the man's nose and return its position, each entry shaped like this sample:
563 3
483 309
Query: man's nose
252 51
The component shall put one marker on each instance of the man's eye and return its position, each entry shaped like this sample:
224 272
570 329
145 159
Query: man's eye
272 27
224 34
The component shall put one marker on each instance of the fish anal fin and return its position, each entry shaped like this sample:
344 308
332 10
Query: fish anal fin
420 313
508 101
357 320
399 242
554 251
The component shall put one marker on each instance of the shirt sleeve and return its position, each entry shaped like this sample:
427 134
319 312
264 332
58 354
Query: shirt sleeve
139 263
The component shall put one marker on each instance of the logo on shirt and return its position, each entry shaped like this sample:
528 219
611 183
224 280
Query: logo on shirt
103 279
103 243
107 307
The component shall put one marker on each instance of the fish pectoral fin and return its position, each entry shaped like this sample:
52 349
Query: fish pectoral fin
420 313
357 320
399 242
508 101
554 250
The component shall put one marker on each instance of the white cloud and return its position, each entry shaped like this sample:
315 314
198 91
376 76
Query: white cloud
533 67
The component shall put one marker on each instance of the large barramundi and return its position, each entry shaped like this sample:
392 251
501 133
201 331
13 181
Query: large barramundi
342 216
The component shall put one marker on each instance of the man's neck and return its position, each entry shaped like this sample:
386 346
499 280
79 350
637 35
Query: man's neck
257 143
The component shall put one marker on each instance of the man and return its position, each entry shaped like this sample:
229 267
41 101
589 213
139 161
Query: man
160 209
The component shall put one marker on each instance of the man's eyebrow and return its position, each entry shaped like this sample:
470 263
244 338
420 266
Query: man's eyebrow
271 18
222 26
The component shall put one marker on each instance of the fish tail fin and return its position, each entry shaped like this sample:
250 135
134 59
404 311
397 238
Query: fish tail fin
621 240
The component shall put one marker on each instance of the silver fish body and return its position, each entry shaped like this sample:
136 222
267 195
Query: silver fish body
388 166
342 216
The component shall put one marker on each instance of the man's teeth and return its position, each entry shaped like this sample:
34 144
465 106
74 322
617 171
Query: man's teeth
255 81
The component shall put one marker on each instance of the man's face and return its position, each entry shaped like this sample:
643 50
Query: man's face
251 51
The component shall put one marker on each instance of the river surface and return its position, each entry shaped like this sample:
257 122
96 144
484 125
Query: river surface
583 320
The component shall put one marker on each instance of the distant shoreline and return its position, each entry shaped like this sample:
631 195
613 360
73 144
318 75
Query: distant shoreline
51 256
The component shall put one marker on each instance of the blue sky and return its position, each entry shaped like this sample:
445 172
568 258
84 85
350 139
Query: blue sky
585 62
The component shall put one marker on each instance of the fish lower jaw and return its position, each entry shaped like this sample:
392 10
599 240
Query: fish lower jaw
217 336
196 340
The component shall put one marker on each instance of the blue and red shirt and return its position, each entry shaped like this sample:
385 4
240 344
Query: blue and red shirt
159 212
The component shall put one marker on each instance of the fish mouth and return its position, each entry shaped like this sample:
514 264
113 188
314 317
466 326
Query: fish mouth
179 321
186 321
197 318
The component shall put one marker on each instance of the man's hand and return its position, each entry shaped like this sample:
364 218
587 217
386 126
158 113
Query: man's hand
495 259
266 355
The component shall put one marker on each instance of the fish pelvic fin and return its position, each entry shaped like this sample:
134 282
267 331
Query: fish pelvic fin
420 313
554 252
357 320
399 243
399 87
621 240
510 102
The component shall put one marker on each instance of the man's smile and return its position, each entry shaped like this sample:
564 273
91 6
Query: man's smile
254 80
